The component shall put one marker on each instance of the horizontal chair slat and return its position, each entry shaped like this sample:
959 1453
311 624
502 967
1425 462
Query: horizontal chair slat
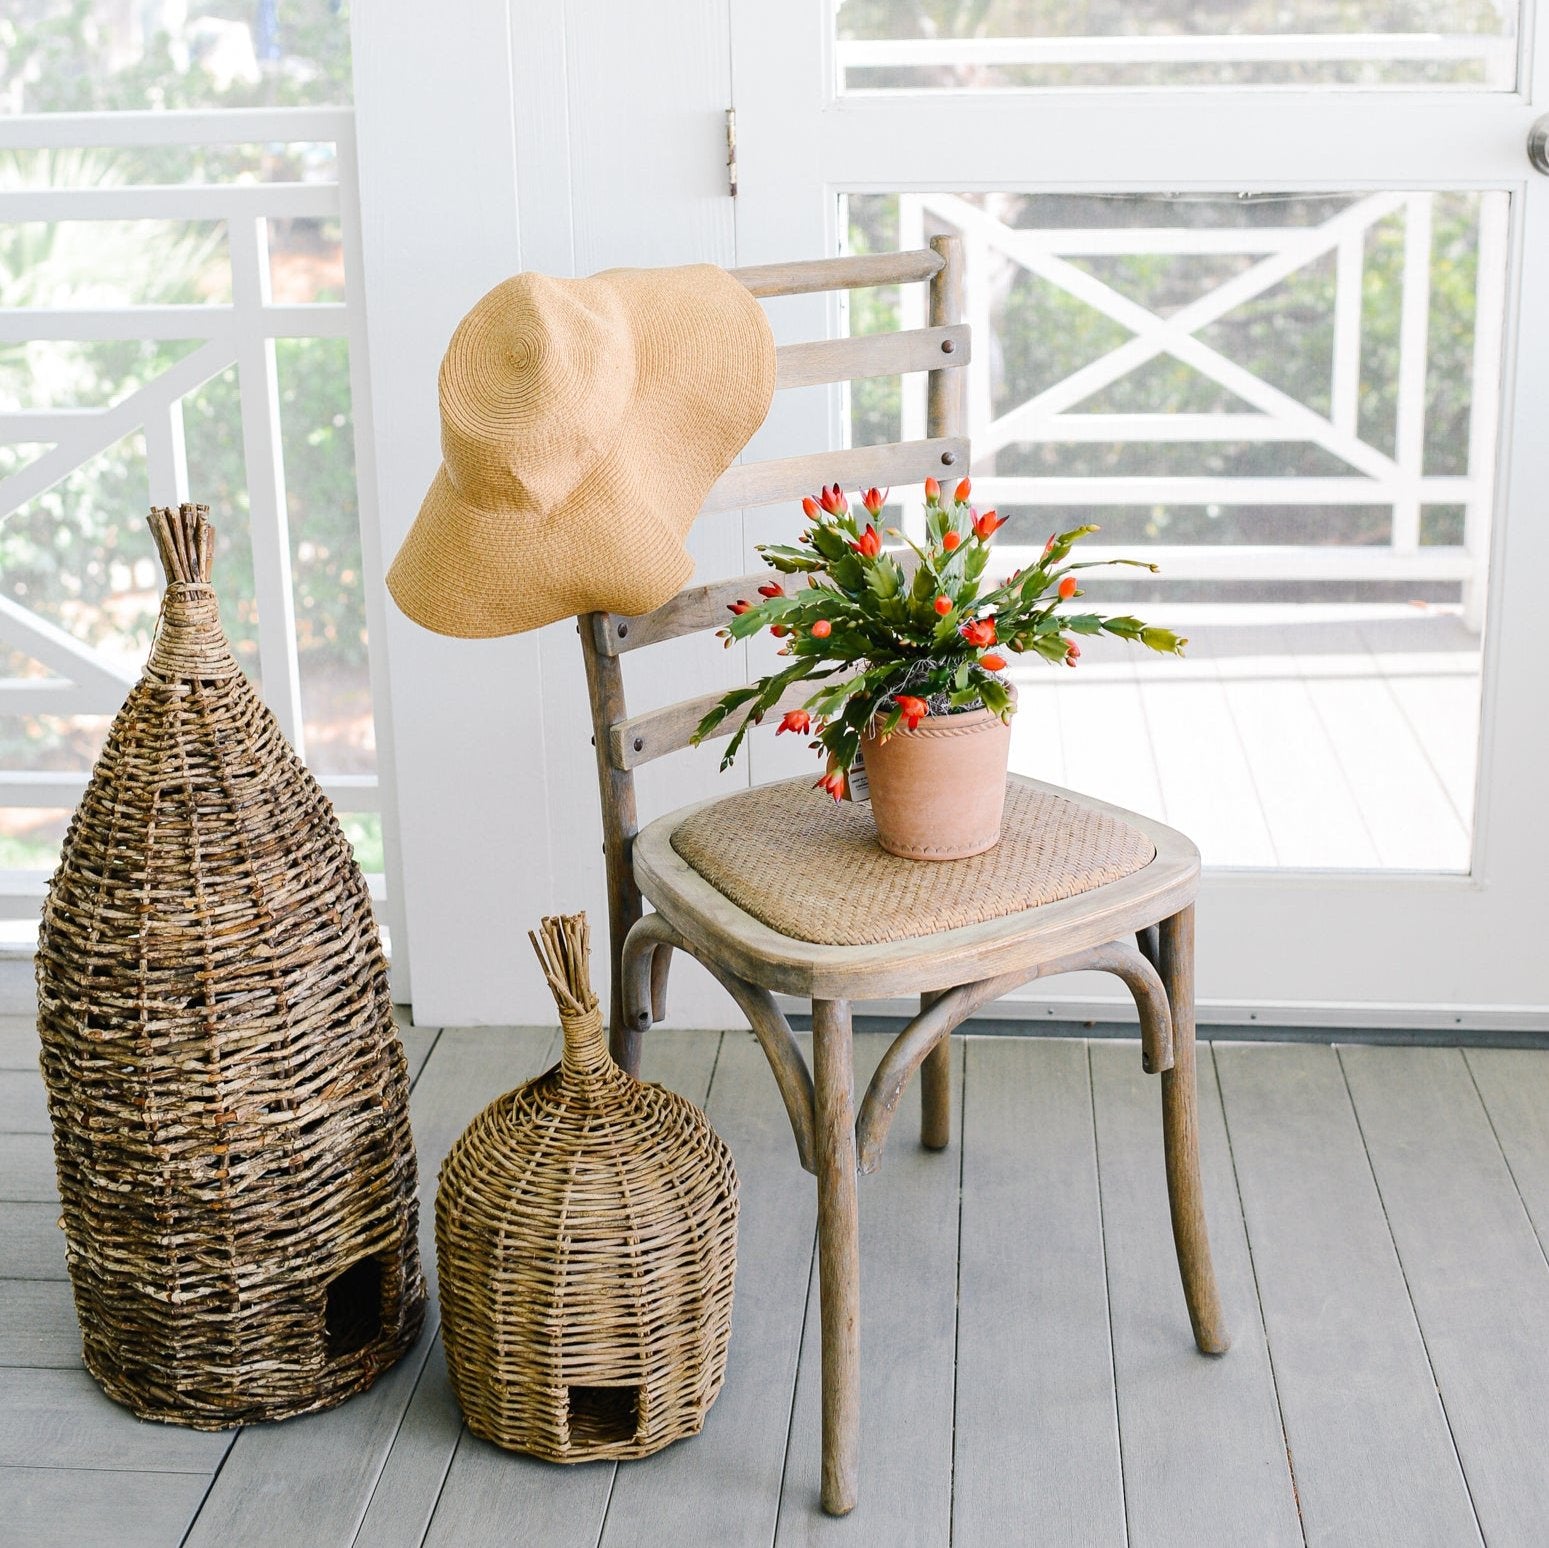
875 354
803 278
642 738
696 608
789 478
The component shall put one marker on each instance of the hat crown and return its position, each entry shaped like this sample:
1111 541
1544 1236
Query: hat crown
534 388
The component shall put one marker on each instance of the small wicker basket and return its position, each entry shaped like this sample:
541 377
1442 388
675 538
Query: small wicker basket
586 1239
228 1094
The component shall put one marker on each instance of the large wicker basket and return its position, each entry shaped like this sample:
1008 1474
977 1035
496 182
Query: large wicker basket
227 1089
586 1240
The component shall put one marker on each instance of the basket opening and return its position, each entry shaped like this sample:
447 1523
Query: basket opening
352 1308
599 1415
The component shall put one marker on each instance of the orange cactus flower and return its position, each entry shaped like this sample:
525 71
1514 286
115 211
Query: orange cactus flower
987 525
950 540
980 632
932 490
993 663
833 501
869 544
779 631
964 489
771 589
739 607
811 509
821 629
797 720
943 605
834 782
874 500
1068 588
914 710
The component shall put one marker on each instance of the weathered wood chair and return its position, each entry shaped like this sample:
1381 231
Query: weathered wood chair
1112 891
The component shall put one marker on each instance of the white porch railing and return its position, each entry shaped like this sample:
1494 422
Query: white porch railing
1374 478
83 680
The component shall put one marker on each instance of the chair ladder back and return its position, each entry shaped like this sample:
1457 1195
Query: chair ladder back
623 741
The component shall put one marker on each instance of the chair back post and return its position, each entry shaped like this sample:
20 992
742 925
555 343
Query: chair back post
620 744
945 413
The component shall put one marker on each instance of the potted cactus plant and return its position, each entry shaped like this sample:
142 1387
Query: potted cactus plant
906 650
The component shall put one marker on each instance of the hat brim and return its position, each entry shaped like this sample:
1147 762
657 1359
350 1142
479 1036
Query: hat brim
477 568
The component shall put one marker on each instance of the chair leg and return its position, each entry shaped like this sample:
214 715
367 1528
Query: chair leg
936 1090
1180 1134
838 1251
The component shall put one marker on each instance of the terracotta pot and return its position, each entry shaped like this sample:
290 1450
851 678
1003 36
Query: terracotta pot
937 792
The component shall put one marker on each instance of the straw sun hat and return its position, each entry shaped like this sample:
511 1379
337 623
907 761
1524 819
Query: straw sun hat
583 421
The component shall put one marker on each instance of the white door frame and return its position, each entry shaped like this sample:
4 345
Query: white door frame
1283 946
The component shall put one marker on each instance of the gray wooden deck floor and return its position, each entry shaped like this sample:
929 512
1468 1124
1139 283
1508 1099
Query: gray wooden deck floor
1380 1218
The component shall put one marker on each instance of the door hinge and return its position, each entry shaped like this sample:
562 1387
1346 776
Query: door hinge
731 152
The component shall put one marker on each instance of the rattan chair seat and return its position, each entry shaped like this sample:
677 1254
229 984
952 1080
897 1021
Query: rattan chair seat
812 869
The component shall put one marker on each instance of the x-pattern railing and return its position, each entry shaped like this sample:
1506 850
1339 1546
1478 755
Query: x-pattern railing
1375 477
83 680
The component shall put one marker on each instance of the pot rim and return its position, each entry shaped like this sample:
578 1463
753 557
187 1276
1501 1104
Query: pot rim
951 725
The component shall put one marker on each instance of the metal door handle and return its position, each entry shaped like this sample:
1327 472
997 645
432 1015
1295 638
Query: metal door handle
1538 145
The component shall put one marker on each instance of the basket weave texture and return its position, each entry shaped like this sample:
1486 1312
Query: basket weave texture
586 1241
226 1086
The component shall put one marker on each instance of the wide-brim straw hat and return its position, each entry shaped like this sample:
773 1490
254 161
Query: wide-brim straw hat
583 422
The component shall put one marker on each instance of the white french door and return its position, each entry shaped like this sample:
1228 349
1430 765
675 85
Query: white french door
1256 303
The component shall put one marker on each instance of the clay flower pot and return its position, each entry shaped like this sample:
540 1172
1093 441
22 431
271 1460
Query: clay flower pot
937 792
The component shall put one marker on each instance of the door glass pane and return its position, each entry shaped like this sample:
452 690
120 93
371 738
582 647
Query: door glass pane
1289 404
909 45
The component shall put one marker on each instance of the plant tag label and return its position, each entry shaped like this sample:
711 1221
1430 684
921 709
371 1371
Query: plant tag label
860 786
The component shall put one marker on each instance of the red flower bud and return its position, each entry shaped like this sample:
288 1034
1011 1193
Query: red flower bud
932 490
874 499
779 631
821 629
943 605
1048 548
1067 588
833 501
771 589
811 508
950 540
980 632
797 720
869 544
1072 651
993 663
739 607
987 525
963 491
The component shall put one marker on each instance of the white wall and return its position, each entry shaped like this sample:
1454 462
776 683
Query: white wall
499 141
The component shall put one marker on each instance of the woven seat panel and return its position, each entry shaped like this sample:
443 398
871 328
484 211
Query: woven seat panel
812 869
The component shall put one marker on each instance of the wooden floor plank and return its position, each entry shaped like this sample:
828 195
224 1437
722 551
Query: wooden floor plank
31 1244
23 1105
37 1324
1037 1438
27 1169
909 1219
1373 1458
1514 1083
310 1480
18 1043
63 1419
494 1497
1475 1269
723 1486
57 1507
1174 1401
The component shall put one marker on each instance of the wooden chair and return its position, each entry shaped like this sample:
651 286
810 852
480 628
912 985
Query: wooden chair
1139 927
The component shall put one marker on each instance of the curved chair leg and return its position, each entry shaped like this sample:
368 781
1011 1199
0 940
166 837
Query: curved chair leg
839 1259
936 1089
661 966
1180 1134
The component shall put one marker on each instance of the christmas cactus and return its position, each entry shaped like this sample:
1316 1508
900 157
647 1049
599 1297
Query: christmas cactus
885 643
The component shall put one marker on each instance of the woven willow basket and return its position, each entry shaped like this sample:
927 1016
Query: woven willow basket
227 1090
586 1240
